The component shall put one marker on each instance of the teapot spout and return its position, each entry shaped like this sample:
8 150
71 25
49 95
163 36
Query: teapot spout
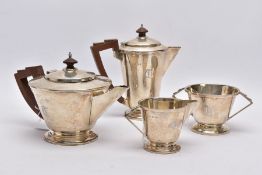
170 56
101 102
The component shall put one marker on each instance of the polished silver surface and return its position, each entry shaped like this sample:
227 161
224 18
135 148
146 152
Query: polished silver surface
143 73
163 119
70 109
144 62
71 79
214 106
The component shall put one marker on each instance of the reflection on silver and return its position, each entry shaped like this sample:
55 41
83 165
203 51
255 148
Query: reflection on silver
213 107
163 119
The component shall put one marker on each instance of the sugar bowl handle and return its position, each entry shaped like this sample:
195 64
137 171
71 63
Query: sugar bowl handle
178 91
249 104
22 82
96 48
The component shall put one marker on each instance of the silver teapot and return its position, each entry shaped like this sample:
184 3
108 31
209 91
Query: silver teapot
70 100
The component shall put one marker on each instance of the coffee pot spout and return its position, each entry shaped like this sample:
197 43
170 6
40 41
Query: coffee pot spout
101 102
170 56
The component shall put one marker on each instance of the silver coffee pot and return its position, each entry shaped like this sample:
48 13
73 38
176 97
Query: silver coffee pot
144 62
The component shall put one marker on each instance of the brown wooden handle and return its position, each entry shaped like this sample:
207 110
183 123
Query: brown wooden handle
22 82
96 48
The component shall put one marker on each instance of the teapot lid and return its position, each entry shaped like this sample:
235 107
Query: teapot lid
70 74
71 79
142 42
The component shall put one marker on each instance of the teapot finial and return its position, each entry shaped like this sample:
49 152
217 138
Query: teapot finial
70 62
141 31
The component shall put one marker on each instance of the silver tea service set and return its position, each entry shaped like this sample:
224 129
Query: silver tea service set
71 100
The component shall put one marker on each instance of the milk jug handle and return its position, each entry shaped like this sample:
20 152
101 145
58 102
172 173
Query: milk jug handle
130 121
21 77
250 103
96 48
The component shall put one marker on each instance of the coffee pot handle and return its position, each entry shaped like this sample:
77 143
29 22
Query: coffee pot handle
96 48
22 82
250 103
130 121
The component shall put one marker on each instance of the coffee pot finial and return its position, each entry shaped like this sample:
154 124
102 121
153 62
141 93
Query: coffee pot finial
141 31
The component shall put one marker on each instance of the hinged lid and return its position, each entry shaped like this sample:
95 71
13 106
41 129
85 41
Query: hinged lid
71 79
142 42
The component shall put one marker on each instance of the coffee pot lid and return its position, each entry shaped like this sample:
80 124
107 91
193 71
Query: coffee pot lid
70 74
142 42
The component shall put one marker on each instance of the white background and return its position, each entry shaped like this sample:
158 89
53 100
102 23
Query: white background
221 43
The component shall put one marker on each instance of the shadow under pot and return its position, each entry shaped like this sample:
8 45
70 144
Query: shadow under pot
214 103
70 100
163 119
144 61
